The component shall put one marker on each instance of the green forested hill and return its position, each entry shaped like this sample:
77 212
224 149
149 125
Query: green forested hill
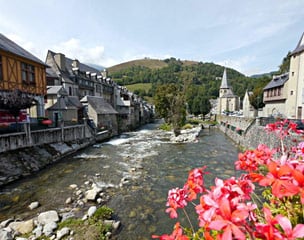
199 78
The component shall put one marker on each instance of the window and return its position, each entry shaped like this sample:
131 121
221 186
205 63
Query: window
291 92
1 72
28 73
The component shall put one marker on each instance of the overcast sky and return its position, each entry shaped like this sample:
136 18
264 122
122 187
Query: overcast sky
251 36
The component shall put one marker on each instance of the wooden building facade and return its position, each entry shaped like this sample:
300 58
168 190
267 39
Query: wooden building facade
23 72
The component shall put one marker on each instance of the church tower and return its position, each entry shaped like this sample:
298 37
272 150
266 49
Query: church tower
224 88
227 101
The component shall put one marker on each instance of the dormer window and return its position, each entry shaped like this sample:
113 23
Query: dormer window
27 73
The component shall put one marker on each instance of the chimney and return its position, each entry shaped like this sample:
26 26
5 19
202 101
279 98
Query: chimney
75 63
60 60
104 74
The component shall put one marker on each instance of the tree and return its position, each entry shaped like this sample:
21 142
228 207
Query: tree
200 105
284 67
169 103
256 99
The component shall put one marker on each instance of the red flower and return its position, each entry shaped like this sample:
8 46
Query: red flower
195 183
289 233
176 199
250 160
229 222
279 178
177 234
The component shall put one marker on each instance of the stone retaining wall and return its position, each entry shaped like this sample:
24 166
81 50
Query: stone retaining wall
248 133
22 154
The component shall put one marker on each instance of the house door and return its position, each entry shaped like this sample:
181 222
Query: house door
56 118
299 114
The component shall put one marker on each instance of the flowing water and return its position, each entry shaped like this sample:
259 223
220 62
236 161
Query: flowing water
138 169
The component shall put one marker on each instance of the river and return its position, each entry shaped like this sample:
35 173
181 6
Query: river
147 164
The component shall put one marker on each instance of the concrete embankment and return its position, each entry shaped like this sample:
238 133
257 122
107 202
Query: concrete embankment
25 161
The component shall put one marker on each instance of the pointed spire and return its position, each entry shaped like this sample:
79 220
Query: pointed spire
300 46
224 80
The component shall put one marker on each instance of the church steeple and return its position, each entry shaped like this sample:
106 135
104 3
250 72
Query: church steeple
225 88
224 80
300 46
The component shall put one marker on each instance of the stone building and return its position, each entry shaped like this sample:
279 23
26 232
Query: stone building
275 96
82 81
248 109
77 78
295 84
101 112
227 101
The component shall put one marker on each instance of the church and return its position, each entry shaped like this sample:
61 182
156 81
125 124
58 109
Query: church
227 101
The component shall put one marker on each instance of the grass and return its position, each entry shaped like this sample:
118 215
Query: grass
139 86
149 63
146 62
94 228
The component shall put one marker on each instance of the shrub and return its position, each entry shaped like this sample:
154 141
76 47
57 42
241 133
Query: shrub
165 127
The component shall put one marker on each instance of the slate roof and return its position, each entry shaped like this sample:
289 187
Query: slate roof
68 102
10 46
99 105
51 73
224 83
58 89
300 46
68 66
277 81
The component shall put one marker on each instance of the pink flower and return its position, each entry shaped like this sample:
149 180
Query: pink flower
176 199
195 183
289 233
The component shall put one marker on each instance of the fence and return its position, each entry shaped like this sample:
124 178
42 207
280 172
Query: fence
28 138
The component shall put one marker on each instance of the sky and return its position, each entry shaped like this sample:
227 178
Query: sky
251 36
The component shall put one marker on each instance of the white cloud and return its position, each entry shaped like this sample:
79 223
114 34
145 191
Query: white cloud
75 49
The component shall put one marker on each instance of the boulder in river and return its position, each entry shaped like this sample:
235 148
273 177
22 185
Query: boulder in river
49 216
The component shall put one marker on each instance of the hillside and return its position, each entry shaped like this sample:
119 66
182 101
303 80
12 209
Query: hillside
200 78
148 63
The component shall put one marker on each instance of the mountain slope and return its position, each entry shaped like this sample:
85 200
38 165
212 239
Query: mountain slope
204 78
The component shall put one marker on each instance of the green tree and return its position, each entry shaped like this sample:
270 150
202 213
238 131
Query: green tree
200 105
256 99
284 67
169 103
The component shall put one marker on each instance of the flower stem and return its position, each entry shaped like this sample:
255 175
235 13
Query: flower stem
187 216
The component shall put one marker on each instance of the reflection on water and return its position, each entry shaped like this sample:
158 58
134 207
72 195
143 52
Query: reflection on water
145 161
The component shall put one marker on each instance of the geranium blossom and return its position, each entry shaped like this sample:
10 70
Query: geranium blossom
176 199
226 211
280 179
250 160
177 234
